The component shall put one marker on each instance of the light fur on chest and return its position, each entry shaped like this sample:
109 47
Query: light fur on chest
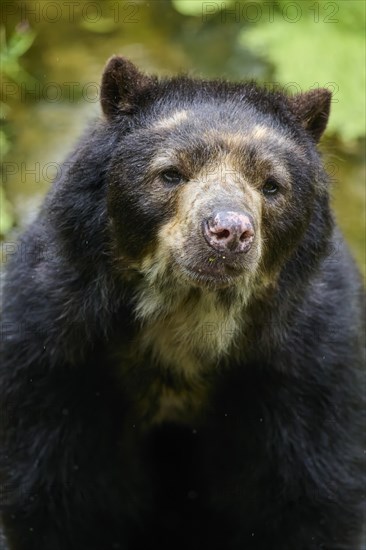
188 334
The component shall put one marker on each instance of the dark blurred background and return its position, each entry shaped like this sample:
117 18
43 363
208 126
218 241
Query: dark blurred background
53 53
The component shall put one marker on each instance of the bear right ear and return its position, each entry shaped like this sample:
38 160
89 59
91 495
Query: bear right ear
121 83
312 109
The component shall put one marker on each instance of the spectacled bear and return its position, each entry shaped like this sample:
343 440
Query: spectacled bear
183 333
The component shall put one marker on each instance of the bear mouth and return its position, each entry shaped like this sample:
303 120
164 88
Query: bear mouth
212 276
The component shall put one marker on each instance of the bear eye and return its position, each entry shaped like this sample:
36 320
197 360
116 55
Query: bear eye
172 177
270 187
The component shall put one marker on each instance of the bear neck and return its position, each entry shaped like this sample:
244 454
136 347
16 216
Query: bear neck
189 329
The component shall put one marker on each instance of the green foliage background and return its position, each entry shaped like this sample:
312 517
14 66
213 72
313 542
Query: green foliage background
325 47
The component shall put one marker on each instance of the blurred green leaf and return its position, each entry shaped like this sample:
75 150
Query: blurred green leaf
18 44
188 7
320 49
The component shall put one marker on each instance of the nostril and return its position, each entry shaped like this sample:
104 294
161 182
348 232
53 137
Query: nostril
247 234
224 234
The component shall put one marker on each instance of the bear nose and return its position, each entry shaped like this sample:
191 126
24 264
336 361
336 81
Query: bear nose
229 231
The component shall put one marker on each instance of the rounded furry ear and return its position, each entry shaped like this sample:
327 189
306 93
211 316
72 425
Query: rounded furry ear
121 84
312 109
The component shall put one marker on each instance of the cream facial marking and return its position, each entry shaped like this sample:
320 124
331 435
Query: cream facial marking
219 181
265 133
260 132
234 167
172 121
252 134
162 161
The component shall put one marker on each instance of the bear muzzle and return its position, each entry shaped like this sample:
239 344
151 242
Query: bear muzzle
229 232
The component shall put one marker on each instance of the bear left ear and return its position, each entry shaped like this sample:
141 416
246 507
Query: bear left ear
122 82
312 109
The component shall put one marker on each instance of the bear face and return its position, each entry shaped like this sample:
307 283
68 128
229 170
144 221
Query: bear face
211 188
178 167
